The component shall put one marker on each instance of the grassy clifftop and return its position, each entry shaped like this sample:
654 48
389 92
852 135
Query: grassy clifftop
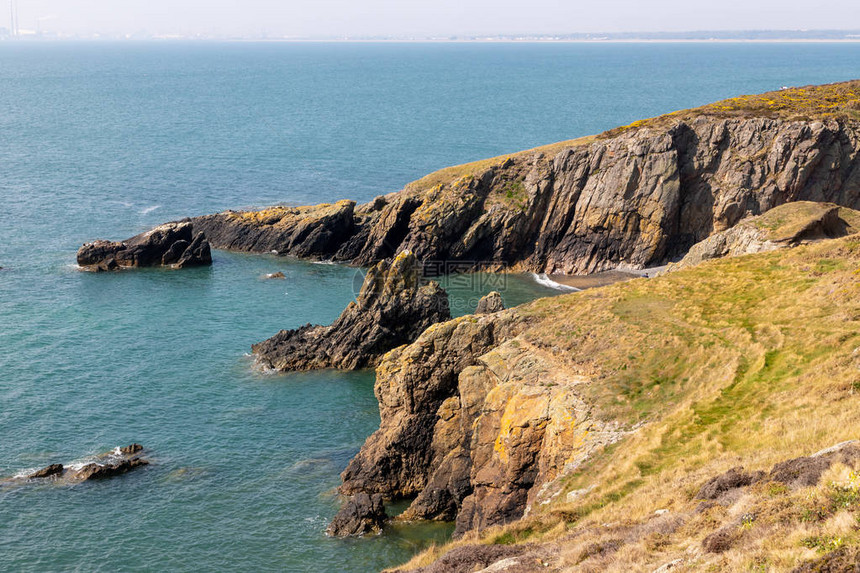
746 361
818 102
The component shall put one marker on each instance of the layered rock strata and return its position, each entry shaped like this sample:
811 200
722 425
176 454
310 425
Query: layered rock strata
633 199
394 306
171 244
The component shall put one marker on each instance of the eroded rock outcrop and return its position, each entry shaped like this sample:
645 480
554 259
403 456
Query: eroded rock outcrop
172 244
490 303
476 423
634 197
782 227
394 306
362 514
301 231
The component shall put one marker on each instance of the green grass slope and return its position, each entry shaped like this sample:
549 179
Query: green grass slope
746 361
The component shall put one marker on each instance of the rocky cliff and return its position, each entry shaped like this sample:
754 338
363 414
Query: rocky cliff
393 307
632 197
598 431
477 423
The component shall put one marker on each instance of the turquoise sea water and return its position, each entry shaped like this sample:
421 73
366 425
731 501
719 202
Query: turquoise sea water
106 140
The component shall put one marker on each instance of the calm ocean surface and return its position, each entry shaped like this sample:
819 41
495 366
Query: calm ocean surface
106 140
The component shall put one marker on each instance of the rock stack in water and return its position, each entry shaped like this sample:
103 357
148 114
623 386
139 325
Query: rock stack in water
395 305
490 303
171 244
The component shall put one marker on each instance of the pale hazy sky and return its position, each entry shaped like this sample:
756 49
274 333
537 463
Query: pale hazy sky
330 18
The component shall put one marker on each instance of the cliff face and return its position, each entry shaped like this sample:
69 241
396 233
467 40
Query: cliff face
634 199
488 418
477 424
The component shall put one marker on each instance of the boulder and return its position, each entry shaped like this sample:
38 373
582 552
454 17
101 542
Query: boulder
362 514
490 303
171 244
131 449
394 306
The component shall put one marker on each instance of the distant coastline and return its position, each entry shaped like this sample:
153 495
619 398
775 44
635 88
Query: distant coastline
718 36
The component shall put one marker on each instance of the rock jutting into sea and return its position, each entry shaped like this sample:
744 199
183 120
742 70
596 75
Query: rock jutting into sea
109 464
475 424
360 515
394 306
172 244
634 197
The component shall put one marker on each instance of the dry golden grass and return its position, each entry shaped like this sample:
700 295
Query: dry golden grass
745 361
818 102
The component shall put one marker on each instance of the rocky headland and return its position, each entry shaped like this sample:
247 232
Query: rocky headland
578 433
172 244
632 197
395 305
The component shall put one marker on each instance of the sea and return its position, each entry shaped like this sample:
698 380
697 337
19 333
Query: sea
105 140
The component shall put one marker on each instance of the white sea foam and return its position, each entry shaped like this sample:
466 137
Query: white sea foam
324 262
543 279
260 368
24 473
149 210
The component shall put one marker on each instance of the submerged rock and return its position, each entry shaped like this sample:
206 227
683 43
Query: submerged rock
393 308
171 244
362 514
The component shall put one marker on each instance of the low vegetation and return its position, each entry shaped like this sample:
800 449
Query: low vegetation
819 102
746 361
